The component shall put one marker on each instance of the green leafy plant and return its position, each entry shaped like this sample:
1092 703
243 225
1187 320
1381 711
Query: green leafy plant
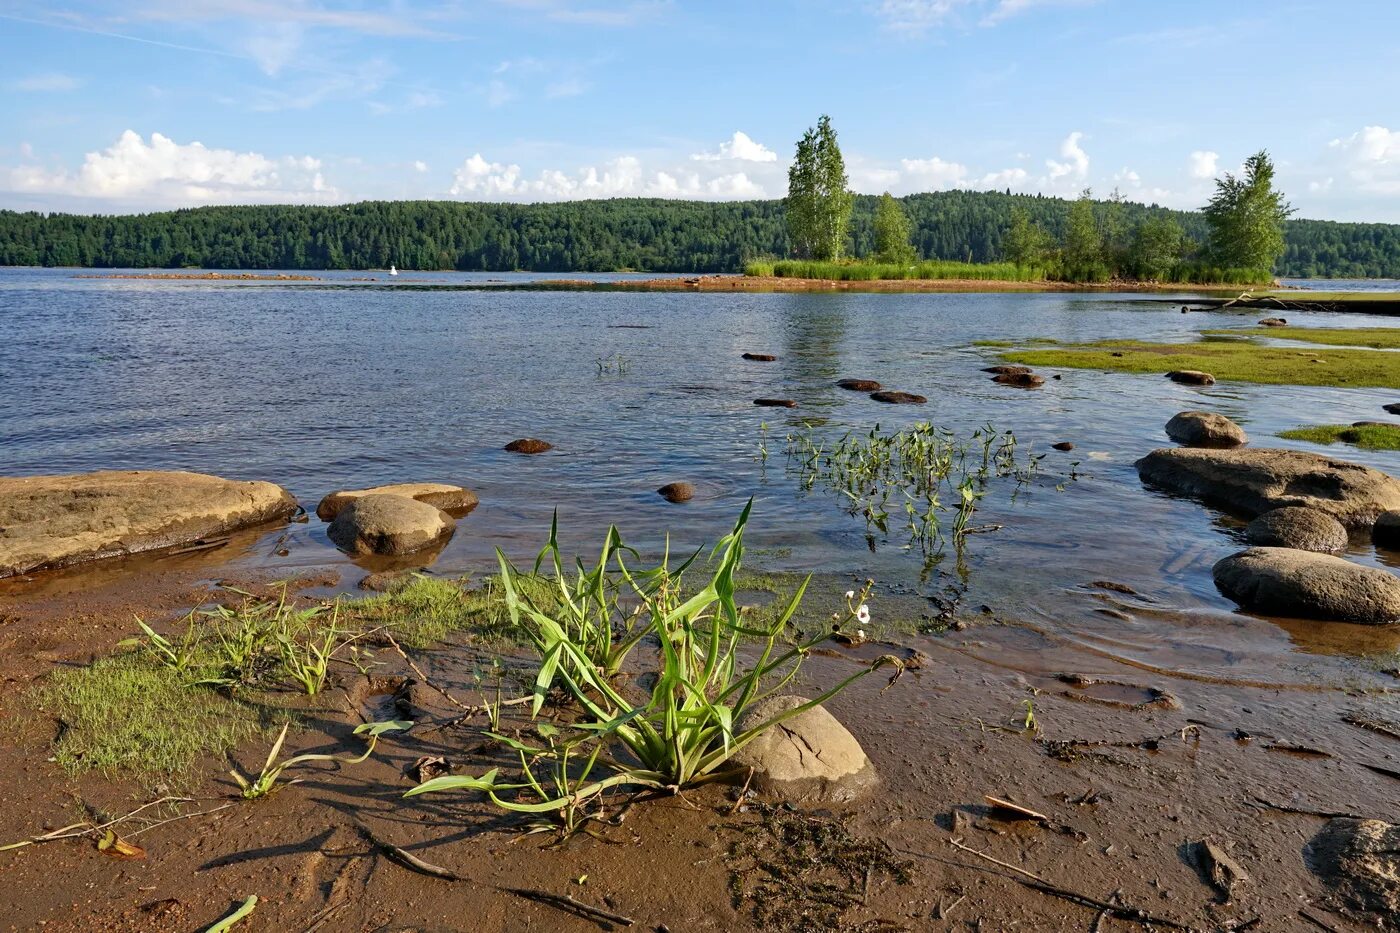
178 656
265 781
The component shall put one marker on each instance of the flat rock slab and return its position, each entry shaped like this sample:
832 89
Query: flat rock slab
760 357
440 495
810 756
55 521
859 385
382 523
1256 480
898 398
1302 584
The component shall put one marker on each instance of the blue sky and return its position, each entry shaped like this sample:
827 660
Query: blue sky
147 104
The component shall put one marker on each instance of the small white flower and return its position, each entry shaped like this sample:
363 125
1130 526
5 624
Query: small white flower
860 633
850 594
863 614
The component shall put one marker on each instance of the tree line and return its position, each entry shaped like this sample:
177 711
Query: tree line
599 236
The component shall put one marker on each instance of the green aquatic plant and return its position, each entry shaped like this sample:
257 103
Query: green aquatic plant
709 668
924 470
265 781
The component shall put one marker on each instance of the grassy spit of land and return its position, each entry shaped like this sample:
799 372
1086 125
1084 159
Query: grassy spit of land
1365 436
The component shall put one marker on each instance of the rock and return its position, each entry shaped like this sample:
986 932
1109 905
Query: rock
441 495
677 492
1007 369
1297 527
898 398
1255 480
859 385
382 523
1205 429
1301 584
1360 860
55 521
1393 408
1063 445
1274 322
775 403
1191 377
1020 380
1375 424
1386 532
529 445
760 357
810 756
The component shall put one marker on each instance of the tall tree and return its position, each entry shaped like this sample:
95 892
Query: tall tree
892 232
1083 245
1158 245
818 204
1025 243
1246 217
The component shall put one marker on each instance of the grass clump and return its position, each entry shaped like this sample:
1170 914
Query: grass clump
1377 338
861 271
1236 361
1366 436
128 713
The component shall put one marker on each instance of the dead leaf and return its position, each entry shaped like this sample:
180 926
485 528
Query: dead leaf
115 846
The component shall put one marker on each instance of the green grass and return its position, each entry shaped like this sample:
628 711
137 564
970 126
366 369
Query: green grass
870 271
1377 338
128 714
1368 437
1007 344
426 610
1231 361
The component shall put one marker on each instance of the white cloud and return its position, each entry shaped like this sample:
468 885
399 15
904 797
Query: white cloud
46 83
479 179
916 17
1076 164
1204 164
1371 158
1126 176
420 166
275 45
166 173
568 87
934 174
1006 178
1321 187
739 148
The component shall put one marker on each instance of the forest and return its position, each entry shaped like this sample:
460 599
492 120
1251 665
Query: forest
638 234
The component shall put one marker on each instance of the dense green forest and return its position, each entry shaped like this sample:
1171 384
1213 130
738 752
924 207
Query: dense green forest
634 233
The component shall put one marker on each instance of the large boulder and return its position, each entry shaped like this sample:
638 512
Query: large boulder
1205 429
1298 527
440 495
1360 859
810 756
55 521
382 523
1301 584
1255 480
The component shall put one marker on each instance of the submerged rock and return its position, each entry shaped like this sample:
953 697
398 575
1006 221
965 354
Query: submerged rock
677 492
1360 860
1027 380
898 398
1386 532
443 496
760 357
1007 369
386 580
529 445
775 402
1274 322
1191 377
810 756
1392 407
54 521
859 385
1063 445
1297 527
1301 584
1255 480
1205 429
381 523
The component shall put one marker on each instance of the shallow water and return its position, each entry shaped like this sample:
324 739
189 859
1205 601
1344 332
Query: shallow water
336 384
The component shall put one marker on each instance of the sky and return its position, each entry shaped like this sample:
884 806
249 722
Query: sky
138 105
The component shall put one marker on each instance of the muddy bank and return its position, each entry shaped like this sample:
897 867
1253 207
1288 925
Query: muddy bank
1129 767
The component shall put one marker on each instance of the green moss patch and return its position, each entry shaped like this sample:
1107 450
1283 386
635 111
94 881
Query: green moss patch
1243 361
1367 437
1379 338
